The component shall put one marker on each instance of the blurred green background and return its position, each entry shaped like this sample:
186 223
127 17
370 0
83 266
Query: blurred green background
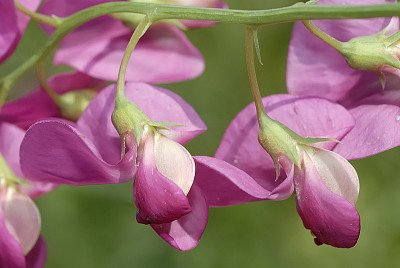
95 226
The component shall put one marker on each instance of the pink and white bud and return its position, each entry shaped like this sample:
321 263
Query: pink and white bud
163 180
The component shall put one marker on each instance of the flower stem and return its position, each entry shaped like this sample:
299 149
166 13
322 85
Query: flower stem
251 70
43 82
38 17
137 34
323 36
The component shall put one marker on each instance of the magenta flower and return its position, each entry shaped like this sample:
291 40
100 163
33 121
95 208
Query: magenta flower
37 105
316 69
13 24
20 242
325 184
168 189
96 48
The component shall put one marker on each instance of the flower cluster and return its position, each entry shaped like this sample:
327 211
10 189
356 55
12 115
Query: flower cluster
80 129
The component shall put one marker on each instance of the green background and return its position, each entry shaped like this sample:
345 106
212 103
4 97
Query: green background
95 226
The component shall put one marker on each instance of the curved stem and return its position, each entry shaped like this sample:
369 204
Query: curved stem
43 82
36 16
322 35
137 34
251 70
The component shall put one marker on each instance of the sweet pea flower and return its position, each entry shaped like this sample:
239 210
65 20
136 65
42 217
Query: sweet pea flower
316 69
169 188
13 24
20 242
96 48
325 184
38 105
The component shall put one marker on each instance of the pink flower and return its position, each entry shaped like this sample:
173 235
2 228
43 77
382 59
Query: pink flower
37 105
316 69
325 184
13 24
164 54
20 243
168 189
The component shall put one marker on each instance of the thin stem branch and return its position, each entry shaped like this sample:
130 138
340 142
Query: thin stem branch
322 35
36 16
137 34
251 70
43 82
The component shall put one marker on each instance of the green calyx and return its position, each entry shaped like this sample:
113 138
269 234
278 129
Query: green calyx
280 141
373 53
73 103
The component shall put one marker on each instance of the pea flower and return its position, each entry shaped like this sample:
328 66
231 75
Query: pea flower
20 242
169 189
13 24
96 48
316 69
325 184
38 105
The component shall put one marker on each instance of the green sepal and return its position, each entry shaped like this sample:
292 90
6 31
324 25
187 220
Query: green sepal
163 125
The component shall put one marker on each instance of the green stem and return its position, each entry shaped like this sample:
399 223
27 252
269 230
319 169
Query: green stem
36 16
323 36
160 12
43 82
137 34
251 70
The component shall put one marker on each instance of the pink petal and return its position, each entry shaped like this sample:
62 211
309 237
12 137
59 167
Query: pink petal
315 68
174 162
240 146
37 105
185 233
11 254
224 184
36 258
22 219
9 33
330 216
56 152
377 129
97 49
158 198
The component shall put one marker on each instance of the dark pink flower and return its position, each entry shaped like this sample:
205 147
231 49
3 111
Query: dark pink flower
20 243
13 24
316 69
325 184
164 54
37 105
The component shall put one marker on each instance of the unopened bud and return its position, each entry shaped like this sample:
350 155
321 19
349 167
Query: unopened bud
73 103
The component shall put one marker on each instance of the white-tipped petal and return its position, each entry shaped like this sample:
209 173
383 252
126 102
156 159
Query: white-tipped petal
174 162
22 219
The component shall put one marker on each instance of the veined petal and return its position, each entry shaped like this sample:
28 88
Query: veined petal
174 162
22 219
224 184
158 198
9 32
36 258
377 129
321 199
316 69
56 152
185 233
97 49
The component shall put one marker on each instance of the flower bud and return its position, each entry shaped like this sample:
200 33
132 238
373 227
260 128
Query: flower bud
73 103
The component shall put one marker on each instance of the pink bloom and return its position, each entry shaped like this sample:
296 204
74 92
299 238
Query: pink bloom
20 243
325 184
13 24
316 69
37 105
164 54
